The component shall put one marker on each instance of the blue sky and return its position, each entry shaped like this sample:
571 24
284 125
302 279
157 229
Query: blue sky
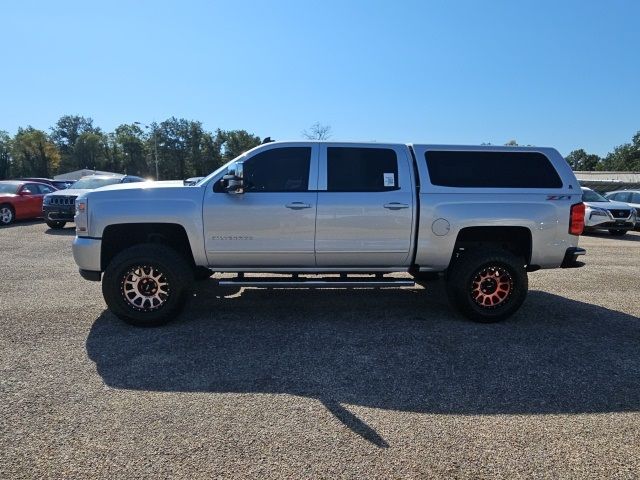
553 73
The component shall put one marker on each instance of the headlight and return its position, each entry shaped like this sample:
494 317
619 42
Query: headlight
598 212
82 217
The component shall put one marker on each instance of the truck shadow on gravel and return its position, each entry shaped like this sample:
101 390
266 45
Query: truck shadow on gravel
393 349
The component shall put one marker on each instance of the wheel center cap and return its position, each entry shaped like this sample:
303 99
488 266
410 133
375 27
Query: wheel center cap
489 286
148 287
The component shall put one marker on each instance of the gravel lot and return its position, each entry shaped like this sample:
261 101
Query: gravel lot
290 383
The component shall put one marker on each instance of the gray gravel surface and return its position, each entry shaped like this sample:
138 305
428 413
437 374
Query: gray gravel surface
290 383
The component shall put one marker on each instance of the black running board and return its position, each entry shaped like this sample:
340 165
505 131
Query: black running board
315 283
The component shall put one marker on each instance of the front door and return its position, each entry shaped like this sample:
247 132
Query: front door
271 224
31 201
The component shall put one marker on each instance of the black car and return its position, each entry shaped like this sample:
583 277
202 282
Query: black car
58 184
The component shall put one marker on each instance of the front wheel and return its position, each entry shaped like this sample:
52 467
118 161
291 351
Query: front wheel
147 285
488 286
56 224
618 233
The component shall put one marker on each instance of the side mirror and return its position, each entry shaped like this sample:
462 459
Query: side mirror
233 181
24 192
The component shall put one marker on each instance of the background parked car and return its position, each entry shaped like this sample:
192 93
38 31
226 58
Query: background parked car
20 199
604 214
59 207
632 197
58 184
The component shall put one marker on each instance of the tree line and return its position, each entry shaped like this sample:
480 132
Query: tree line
183 148
624 158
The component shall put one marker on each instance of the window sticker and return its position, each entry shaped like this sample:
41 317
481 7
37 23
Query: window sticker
389 180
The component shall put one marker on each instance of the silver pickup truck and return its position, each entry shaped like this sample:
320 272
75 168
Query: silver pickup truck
337 215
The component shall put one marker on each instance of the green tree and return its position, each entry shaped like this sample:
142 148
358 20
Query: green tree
185 149
34 154
5 154
625 157
583 161
212 153
129 150
89 150
65 135
236 142
170 137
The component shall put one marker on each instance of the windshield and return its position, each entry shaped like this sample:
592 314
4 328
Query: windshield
91 183
9 187
591 196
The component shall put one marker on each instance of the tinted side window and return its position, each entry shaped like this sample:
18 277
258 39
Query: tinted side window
622 197
635 198
278 170
351 169
491 169
44 189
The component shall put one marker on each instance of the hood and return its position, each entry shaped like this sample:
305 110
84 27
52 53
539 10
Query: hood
7 196
68 192
142 186
609 205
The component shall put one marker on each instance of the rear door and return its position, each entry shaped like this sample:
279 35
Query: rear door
365 206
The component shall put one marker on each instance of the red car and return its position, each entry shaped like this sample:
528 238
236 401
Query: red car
20 200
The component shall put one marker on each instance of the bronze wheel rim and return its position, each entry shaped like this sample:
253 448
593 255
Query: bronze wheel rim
491 286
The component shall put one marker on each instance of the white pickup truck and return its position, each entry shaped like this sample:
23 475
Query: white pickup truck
337 215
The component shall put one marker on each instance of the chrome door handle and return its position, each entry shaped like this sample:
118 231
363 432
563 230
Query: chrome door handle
395 206
297 205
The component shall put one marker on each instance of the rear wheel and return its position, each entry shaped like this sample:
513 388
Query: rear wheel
56 224
7 215
488 286
147 285
618 233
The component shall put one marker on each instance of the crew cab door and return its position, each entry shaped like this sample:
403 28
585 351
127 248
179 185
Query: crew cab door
271 224
365 206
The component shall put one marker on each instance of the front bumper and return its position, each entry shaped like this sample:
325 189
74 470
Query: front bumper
616 225
86 253
63 213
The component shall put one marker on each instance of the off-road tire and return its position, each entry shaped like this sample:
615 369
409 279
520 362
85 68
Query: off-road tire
497 267
177 279
56 224
7 216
